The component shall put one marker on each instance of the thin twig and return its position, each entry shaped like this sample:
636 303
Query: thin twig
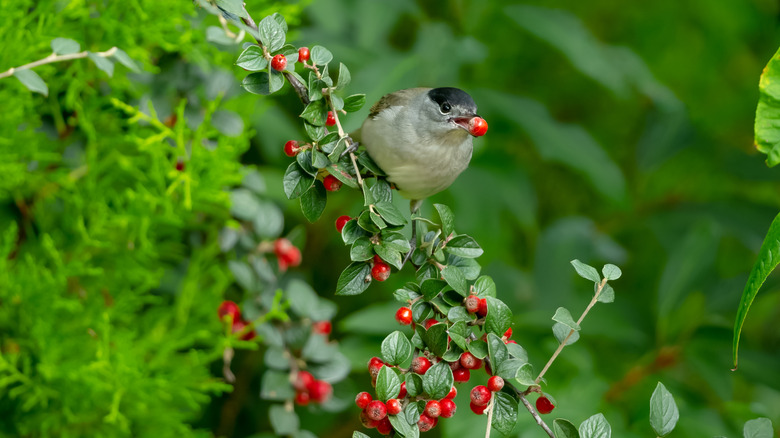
534 414
592 303
490 415
56 58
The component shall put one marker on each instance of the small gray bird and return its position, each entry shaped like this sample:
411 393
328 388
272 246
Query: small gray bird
421 137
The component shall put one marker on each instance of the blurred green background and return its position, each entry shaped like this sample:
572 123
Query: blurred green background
618 134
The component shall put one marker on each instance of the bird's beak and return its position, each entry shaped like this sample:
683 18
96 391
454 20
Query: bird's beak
475 125
463 122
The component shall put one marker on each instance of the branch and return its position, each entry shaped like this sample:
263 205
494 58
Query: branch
490 415
534 414
56 58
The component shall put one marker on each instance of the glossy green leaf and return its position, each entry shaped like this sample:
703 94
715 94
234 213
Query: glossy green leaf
563 428
455 278
355 279
464 246
497 351
313 202
388 385
362 250
351 232
478 348
396 348
354 102
271 32
663 411
485 287
767 131
414 385
596 426
320 55
432 287
389 213
504 412
252 59
296 182
438 380
446 218
344 77
257 83
316 112
435 338
342 174
498 318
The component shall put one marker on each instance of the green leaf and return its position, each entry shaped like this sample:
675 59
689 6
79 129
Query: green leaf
102 63
378 190
320 55
362 250
354 102
243 274
314 132
318 349
611 272
276 386
304 160
369 163
391 256
389 213
499 317
354 280
414 385
497 351
563 428
316 112
395 240
504 412
435 338
607 294
509 368
396 348
257 83
388 385
272 34
125 59
767 134
342 174
586 271
252 59
454 277
235 7
64 46
344 77
303 300
401 425
446 218
459 314
351 232
463 246
296 182
596 426
377 220
563 316
561 331
431 287
515 350
663 411
313 201
768 259
276 81
758 428
438 380
458 332
32 81
357 434
485 287
320 161
478 348
525 375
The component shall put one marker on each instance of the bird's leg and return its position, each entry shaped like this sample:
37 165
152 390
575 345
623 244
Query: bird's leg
352 146
414 206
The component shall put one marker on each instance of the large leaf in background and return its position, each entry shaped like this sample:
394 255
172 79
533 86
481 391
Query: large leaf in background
768 258
568 144
767 127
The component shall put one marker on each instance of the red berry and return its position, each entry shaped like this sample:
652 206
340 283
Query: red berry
279 63
480 395
303 380
511 341
302 398
239 326
380 271
477 409
432 409
180 165
322 327
461 375
331 119
468 360
430 322
331 183
447 408
482 310
453 393
455 365
471 303
291 148
229 308
478 126
393 407
420 365
425 423
402 393
363 399
341 221
544 405
384 427
376 410
367 422
495 384
508 333
286 253
320 391
404 316
303 54
374 365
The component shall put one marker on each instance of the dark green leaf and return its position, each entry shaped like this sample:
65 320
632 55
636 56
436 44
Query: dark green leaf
432 287
320 160
396 241
414 385
586 271
596 426
378 190
314 132
354 279
296 182
365 160
611 272
485 287
102 63
351 232
463 246
438 380
354 102
315 112
469 267
335 155
758 428
361 250
446 218
454 277
663 411
564 429
257 83
366 222
459 313
32 81
64 46
497 351
389 255
499 317
401 425
564 333
276 386
377 220
313 201
458 332
344 77
435 338
388 385
389 213
276 81
478 348
421 310
342 174
504 412
767 134
252 59
320 55
272 34
563 316
405 295
396 349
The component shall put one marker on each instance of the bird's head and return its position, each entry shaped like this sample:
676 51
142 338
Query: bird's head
451 109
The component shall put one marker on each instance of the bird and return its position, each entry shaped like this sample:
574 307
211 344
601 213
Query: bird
422 138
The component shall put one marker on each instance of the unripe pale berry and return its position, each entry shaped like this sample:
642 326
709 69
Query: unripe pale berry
363 399
320 391
420 365
302 398
380 271
393 407
291 148
483 309
480 395
544 405
433 409
471 303
453 393
425 423
279 63
447 408
376 410
303 54
384 427
477 409
404 316
322 327
341 221
461 375
478 126
429 323
229 308
331 120
468 360
331 183
495 384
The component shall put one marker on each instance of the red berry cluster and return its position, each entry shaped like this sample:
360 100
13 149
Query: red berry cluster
286 253
308 389
475 304
237 322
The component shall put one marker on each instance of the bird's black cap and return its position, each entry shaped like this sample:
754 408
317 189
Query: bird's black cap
455 97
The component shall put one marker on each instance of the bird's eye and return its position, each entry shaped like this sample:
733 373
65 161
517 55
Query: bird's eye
445 107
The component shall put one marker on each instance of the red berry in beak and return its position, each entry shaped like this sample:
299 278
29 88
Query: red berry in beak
477 126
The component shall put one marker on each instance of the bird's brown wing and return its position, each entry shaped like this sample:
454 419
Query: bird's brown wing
398 98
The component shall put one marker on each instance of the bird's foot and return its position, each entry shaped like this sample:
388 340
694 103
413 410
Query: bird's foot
351 147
